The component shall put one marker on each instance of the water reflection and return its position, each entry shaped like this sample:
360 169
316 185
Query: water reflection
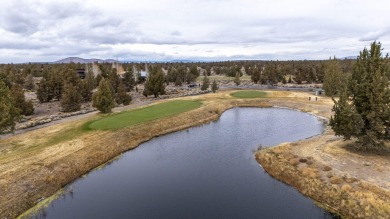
203 172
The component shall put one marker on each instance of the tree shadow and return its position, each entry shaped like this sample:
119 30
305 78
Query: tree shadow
354 148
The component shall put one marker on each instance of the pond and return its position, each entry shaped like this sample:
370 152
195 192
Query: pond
202 172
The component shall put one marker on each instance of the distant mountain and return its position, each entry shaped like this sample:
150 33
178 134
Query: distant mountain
83 61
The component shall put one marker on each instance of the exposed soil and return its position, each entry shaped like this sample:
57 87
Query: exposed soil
351 184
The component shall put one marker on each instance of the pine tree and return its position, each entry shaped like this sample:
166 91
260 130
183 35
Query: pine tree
71 98
363 110
8 112
103 99
122 97
206 83
26 107
214 86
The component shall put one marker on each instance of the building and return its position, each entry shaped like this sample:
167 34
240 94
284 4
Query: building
81 72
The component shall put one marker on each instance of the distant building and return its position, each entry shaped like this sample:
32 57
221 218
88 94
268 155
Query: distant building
81 72
319 92
141 74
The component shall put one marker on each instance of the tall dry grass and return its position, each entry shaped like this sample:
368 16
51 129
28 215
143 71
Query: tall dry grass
24 188
348 197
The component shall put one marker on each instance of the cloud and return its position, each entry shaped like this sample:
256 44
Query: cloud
375 35
192 29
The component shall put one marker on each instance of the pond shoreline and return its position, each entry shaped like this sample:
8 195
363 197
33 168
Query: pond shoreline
25 190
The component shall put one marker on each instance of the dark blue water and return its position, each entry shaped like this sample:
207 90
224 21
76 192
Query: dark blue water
202 172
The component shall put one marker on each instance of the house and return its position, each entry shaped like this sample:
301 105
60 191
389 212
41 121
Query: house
81 72
141 74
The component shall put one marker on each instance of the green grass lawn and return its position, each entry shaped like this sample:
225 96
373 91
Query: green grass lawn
249 94
146 114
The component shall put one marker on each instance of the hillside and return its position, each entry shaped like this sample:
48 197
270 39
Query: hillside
83 61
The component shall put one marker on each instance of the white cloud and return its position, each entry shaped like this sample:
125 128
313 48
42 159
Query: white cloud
45 30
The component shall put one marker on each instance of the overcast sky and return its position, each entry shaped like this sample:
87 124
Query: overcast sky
154 30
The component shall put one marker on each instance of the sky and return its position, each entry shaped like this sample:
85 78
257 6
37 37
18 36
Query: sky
197 30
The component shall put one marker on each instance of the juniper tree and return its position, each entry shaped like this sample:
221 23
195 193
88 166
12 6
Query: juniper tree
214 86
155 83
8 112
122 97
363 110
128 80
334 79
26 107
103 99
71 98
256 74
85 90
29 82
206 83
237 79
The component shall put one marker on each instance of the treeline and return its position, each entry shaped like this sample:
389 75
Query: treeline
105 86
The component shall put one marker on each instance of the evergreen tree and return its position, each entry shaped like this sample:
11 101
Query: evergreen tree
155 83
103 99
256 74
29 82
85 90
206 83
178 81
55 83
44 93
8 112
363 110
114 81
25 107
237 79
90 80
214 86
128 80
71 99
333 79
284 80
122 97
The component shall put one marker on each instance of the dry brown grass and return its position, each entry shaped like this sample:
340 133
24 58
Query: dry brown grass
32 168
344 198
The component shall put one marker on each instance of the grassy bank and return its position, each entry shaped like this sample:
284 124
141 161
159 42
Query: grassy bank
341 194
64 152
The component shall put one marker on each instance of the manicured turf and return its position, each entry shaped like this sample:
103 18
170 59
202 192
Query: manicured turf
249 94
146 114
